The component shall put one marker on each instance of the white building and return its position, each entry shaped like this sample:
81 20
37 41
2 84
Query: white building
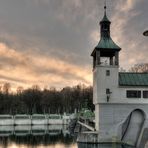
120 99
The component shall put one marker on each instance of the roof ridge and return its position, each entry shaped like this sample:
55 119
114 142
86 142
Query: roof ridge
134 72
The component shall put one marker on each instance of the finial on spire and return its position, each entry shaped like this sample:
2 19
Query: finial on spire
105 7
105 19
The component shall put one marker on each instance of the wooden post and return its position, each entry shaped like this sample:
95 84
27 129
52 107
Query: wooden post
116 58
97 57
94 62
111 60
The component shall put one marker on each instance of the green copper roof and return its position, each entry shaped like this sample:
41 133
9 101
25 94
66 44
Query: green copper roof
105 19
107 43
133 79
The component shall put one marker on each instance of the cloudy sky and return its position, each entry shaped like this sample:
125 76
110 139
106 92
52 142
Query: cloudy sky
49 42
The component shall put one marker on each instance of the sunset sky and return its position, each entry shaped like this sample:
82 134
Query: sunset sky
49 42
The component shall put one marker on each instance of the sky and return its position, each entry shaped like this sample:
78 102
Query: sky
49 42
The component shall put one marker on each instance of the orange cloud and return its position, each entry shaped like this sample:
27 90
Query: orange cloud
26 69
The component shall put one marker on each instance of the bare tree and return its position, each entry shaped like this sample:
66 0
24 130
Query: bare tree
121 69
0 88
19 89
142 67
6 88
36 87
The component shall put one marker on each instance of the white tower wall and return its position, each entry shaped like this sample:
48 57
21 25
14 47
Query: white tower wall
107 114
101 82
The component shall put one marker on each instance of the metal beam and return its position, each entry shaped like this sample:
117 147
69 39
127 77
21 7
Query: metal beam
87 126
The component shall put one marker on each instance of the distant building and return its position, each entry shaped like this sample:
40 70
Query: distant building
120 98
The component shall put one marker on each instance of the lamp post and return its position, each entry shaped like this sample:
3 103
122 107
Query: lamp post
145 33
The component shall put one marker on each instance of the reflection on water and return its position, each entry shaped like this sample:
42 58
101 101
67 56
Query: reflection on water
56 136
40 136
36 141
81 145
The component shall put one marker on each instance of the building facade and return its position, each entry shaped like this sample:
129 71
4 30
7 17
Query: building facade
120 98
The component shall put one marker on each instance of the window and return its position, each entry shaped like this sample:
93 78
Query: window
107 91
105 27
133 94
107 72
145 94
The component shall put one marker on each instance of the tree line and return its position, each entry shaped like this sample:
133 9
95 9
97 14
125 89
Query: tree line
37 101
34 100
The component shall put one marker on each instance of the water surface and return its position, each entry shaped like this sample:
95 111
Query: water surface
42 137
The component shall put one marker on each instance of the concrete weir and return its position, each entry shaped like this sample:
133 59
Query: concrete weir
35 119
24 130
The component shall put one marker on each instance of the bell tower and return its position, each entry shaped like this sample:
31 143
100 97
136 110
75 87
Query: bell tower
121 107
106 47
105 69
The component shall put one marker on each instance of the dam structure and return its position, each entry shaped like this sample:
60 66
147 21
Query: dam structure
120 98
35 119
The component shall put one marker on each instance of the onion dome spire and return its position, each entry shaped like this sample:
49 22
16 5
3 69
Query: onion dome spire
105 8
106 43
105 18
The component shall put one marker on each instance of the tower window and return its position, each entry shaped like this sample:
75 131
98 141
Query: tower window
145 94
107 91
133 94
105 27
107 72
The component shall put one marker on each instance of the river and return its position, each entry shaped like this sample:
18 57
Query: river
56 136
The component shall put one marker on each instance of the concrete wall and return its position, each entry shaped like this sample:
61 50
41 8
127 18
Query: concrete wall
118 94
55 121
116 113
6 120
110 115
22 130
34 119
22 120
39 119
101 82
111 119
